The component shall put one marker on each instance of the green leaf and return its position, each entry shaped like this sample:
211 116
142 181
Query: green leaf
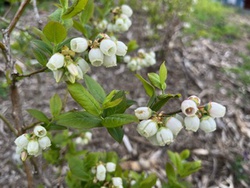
84 98
162 100
117 133
95 88
40 56
150 90
78 26
38 115
76 8
176 160
18 69
56 15
163 73
78 120
170 172
132 45
111 104
55 105
65 42
88 12
149 182
154 79
55 32
39 34
64 3
190 168
185 154
42 46
118 120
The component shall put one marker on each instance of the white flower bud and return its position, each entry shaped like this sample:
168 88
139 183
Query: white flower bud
189 107
96 57
33 147
108 47
100 172
121 48
120 25
58 74
71 78
83 65
132 65
88 135
79 44
143 113
216 110
127 22
80 74
55 62
24 155
174 125
152 54
208 124
40 131
19 150
110 27
117 181
147 128
110 166
102 25
72 68
127 58
127 10
164 136
22 141
196 99
44 142
109 61
192 123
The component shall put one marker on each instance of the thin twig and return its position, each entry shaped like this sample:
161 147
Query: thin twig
29 174
28 75
31 126
38 19
11 127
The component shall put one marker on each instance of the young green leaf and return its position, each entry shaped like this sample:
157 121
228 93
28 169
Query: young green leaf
185 154
84 98
113 103
55 32
42 46
132 45
38 115
88 12
55 105
95 88
78 26
118 120
150 90
162 100
76 8
172 176
154 79
78 120
116 133
40 56
190 168
149 182
163 73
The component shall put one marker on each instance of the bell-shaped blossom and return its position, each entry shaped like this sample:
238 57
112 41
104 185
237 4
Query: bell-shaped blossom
127 58
83 65
58 74
72 68
196 99
192 123
121 48
117 181
22 141
100 172
164 136
44 142
96 57
208 124
174 125
189 107
108 47
102 25
121 25
126 10
180 118
40 131
71 78
55 62
110 166
143 113
147 128
19 149
109 61
79 44
153 140
216 110
33 147
80 74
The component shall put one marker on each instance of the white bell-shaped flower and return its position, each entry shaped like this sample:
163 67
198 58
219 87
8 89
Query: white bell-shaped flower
108 47
192 123
174 125
127 10
55 62
189 107
22 141
120 25
121 48
196 99
58 74
109 61
79 44
100 172
127 58
19 150
208 124
164 136
80 74
133 65
72 68
126 20
40 131
44 142
117 181
216 110
143 113
102 25
153 140
96 57
33 147
71 78
83 65
110 166
147 128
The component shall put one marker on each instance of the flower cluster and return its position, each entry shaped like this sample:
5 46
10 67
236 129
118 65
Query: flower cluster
69 66
161 129
140 61
201 116
83 140
101 171
32 144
